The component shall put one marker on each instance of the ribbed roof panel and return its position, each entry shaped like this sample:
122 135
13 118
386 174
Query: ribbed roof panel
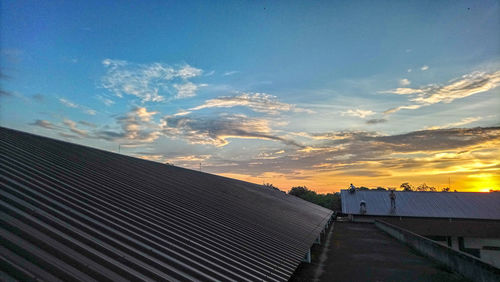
73 212
473 205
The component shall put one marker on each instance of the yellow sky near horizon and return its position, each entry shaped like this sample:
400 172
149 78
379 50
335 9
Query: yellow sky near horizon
482 182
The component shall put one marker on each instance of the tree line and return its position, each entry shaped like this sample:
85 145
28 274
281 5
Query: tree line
333 201
329 201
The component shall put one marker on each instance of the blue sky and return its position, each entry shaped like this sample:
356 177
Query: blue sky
267 91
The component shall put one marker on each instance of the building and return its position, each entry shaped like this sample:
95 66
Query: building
469 222
70 212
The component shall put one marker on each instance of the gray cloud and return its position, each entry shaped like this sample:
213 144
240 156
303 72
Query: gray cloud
136 126
44 124
216 130
369 154
376 121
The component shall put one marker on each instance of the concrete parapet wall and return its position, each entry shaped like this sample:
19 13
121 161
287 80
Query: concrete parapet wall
465 264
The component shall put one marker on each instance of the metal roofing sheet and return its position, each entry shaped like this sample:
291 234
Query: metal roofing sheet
70 212
424 204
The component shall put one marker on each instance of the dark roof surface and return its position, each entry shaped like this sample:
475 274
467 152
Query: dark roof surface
424 204
362 252
70 212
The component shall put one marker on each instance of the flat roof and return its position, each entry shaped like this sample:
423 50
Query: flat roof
362 252
70 212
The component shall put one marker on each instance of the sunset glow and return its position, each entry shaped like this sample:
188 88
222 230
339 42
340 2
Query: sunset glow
289 93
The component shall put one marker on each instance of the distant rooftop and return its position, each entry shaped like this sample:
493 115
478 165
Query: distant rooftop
424 204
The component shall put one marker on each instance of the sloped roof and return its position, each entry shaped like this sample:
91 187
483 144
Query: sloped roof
70 212
424 204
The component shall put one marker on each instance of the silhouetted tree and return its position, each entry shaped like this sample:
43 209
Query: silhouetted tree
271 186
298 191
406 187
424 187
445 189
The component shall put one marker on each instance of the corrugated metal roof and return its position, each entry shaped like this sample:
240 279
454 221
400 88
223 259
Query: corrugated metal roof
70 212
424 204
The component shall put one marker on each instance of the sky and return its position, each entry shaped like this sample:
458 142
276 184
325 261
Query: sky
293 93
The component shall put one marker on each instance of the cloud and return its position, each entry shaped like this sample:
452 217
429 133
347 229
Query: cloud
258 102
72 127
370 154
216 130
403 91
404 82
339 135
106 101
376 121
136 126
424 68
70 104
67 103
149 82
44 124
358 113
186 90
397 109
210 73
228 73
467 85
409 70
88 124
462 122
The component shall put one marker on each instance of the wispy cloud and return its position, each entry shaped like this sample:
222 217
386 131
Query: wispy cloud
462 122
187 89
467 85
406 107
70 104
228 73
358 113
216 130
86 123
258 102
424 68
106 101
149 82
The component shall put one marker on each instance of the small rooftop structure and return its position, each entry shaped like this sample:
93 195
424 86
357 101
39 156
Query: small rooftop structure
464 205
